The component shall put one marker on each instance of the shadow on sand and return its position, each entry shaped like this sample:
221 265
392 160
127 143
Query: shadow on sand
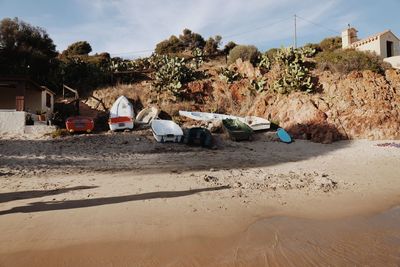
138 151
10 196
82 203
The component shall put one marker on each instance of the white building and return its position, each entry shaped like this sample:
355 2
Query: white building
384 44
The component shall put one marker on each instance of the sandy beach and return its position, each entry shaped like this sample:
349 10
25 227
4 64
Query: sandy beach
120 199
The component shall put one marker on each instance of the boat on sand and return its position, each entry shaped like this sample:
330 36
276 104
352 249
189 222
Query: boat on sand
121 114
237 130
166 131
147 115
256 123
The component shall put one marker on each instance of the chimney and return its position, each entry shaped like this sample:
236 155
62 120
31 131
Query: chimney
349 36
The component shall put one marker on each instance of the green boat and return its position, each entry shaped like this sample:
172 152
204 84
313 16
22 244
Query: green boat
237 130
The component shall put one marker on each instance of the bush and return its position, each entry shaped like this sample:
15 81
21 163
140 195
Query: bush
331 43
345 61
228 47
245 52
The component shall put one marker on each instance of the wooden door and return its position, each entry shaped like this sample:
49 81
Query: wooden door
19 103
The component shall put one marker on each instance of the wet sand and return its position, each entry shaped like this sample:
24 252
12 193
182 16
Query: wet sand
278 241
244 204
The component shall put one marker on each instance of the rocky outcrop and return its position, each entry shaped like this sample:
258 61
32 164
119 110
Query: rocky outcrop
359 105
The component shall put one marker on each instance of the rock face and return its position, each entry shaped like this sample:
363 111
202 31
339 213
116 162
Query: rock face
357 106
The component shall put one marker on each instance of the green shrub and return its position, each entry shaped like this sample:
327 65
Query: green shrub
347 60
245 52
59 133
331 43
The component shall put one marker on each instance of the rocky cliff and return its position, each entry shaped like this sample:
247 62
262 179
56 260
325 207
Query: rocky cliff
360 105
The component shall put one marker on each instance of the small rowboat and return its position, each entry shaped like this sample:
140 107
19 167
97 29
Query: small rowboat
147 115
198 136
237 130
121 114
256 123
204 116
166 131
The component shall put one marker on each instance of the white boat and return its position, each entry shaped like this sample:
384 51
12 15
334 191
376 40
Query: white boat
147 115
204 116
121 114
166 131
256 123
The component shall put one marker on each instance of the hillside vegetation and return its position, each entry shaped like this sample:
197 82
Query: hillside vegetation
318 92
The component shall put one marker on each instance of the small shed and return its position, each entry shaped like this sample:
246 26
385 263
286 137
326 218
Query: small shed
21 97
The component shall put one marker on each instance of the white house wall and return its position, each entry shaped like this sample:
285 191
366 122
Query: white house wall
374 46
12 122
396 44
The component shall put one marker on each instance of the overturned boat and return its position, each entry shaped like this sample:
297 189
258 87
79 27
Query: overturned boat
204 116
147 115
237 130
166 131
198 136
256 123
121 114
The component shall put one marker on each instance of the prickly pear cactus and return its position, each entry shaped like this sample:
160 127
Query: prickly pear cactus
295 75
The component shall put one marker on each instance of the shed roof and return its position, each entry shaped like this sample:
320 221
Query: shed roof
18 78
372 38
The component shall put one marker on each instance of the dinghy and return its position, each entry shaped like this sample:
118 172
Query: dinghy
121 114
198 136
237 130
256 123
166 131
147 115
204 116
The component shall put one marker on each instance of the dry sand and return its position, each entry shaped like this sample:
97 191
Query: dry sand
123 200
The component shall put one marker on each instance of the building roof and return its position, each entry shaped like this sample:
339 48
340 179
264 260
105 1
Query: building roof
14 78
371 38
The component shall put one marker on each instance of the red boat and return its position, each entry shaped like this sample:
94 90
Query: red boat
79 124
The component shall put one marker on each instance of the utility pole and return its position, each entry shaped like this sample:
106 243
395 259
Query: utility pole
295 31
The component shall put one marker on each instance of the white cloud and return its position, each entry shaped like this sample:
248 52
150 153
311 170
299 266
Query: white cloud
123 26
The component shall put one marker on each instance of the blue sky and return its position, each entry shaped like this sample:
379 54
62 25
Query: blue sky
130 28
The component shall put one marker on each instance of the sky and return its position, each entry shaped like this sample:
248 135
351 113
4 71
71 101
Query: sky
132 28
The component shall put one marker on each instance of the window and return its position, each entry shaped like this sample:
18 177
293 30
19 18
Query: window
48 100
389 48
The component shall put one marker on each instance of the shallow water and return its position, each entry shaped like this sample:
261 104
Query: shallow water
277 241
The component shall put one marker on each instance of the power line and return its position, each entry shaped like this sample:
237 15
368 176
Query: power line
242 33
317 24
255 29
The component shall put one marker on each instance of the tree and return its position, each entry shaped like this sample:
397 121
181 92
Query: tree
228 47
170 46
245 52
25 49
191 40
212 44
78 49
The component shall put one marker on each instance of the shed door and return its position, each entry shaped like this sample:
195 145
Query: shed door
19 103
389 48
